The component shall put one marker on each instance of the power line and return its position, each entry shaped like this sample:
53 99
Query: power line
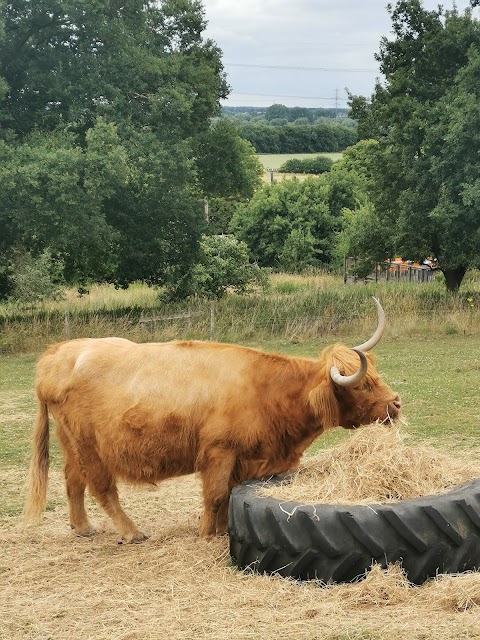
278 66
276 95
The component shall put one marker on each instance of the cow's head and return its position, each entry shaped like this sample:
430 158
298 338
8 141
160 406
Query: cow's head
350 392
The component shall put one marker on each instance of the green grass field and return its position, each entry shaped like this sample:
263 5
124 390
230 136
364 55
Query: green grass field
275 160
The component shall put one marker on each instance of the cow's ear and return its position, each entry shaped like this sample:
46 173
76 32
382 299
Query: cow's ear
324 404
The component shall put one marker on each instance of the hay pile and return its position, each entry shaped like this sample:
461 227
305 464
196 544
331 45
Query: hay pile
375 464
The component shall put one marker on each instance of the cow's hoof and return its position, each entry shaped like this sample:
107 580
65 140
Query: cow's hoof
84 532
136 538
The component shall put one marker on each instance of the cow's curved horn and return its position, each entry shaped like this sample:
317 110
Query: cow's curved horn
375 339
354 379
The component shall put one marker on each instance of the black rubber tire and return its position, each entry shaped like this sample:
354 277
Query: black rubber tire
334 543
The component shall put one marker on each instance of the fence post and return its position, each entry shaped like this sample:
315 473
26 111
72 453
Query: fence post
205 205
67 325
212 319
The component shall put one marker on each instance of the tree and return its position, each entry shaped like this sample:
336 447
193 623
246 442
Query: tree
293 138
52 196
455 168
36 279
316 165
223 265
284 216
70 61
158 213
101 104
423 174
277 111
226 164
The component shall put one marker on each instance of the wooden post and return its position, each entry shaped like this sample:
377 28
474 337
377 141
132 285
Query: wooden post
67 326
212 319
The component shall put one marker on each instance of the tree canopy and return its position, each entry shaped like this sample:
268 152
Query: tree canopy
425 117
106 137
291 224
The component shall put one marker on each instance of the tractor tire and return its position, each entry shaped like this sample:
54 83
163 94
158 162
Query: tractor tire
336 543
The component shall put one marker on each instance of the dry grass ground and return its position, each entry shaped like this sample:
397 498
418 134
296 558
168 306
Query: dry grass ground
54 585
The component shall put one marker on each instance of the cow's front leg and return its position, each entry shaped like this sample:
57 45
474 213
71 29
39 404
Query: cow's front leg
216 467
222 515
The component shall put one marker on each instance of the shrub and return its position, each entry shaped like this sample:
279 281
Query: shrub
316 165
35 278
224 265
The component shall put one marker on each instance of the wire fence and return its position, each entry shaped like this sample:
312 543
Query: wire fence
241 319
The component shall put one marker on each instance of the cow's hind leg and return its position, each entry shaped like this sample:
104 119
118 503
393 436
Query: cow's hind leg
76 484
105 492
103 488
216 467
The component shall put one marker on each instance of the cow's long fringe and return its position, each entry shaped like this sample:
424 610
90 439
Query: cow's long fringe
36 498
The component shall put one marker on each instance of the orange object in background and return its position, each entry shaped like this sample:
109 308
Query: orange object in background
396 263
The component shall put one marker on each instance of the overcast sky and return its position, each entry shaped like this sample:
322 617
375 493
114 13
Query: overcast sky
337 38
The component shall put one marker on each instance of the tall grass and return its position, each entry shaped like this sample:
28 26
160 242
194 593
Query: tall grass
293 309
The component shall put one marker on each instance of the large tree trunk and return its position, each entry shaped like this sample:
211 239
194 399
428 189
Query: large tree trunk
454 277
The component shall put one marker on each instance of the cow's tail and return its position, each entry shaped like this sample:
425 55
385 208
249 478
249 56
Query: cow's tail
36 498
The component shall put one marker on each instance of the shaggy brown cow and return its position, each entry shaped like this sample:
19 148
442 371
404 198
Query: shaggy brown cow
145 412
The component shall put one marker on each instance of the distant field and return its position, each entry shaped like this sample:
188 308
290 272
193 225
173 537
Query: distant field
275 160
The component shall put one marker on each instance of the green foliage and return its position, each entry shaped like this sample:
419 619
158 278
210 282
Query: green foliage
226 164
224 265
35 279
363 234
71 61
316 166
281 112
425 119
364 238
157 213
288 224
220 214
52 195
297 138
100 107
298 251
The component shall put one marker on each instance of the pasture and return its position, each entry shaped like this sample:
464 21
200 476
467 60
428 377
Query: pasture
54 585
275 160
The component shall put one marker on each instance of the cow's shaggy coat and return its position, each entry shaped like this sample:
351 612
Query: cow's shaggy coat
146 412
